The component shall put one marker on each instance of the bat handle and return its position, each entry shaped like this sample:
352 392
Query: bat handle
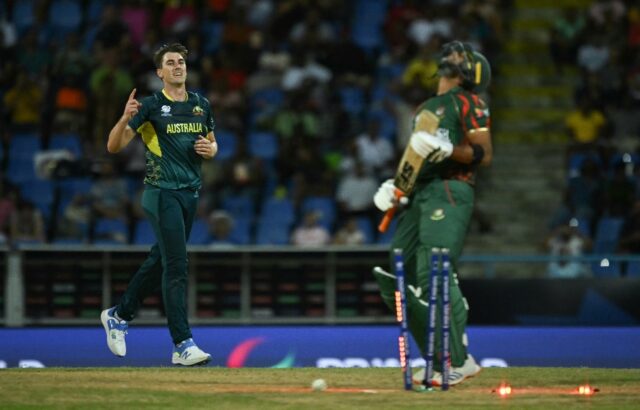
386 220
388 216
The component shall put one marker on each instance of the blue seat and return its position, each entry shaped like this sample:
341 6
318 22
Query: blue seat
633 269
365 225
388 123
279 211
40 193
610 270
70 142
144 234
577 159
23 15
263 145
607 235
241 232
227 144
94 11
384 238
111 231
24 145
239 206
212 31
70 187
65 15
352 99
326 206
21 170
272 97
269 233
199 233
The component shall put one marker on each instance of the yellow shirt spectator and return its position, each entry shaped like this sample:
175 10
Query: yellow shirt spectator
585 126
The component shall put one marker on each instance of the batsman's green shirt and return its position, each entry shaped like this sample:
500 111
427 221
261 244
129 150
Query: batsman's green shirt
459 112
169 130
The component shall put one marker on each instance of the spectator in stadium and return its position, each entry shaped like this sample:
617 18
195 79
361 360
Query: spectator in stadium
566 241
565 37
354 193
109 195
583 196
310 233
374 151
349 234
220 228
109 84
26 223
177 128
23 103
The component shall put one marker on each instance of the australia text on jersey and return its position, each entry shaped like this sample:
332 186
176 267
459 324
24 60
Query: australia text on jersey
178 128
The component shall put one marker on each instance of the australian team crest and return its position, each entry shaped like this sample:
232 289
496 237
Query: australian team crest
197 110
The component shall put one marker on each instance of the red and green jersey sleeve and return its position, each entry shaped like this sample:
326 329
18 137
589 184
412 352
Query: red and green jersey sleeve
459 112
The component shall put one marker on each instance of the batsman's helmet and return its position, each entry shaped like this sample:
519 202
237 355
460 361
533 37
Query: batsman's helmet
474 69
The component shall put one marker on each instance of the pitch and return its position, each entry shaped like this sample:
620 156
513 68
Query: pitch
260 388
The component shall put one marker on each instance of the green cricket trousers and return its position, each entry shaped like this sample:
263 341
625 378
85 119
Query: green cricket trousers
438 215
171 213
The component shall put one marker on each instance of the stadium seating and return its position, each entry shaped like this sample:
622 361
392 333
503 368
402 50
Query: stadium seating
279 211
227 144
23 15
70 142
326 206
65 16
269 233
143 234
384 238
241 232
199 233
239 206
365 225
110 231
263 145
607 234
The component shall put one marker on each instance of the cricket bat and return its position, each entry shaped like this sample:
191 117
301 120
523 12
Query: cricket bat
410 165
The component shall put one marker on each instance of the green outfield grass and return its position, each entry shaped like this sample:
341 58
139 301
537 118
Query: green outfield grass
222 388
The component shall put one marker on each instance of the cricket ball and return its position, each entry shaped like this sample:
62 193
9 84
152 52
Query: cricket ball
319 385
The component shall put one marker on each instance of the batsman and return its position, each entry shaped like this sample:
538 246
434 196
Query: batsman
449 141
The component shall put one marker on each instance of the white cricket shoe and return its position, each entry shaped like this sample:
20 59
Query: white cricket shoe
456 374
116 330
187 353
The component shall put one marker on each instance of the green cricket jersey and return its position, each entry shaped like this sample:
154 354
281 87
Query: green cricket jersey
460 111
169 130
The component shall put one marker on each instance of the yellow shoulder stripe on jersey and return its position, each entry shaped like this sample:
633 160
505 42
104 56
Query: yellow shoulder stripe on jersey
478 72
171 99
478 129
150 138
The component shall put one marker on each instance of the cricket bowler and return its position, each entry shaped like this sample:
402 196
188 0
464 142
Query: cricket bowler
440 202
177 129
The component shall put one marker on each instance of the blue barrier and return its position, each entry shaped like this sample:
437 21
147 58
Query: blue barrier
320 346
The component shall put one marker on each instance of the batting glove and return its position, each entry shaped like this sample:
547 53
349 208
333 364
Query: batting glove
430 147
385 197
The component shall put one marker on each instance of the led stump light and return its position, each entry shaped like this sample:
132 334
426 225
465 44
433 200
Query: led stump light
586 390
503 390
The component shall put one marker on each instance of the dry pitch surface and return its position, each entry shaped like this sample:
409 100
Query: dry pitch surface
248 388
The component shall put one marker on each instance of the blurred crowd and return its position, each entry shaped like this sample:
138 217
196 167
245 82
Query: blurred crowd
312 102
600 211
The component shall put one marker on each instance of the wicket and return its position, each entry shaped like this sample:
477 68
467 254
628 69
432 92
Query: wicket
440 265
401 317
